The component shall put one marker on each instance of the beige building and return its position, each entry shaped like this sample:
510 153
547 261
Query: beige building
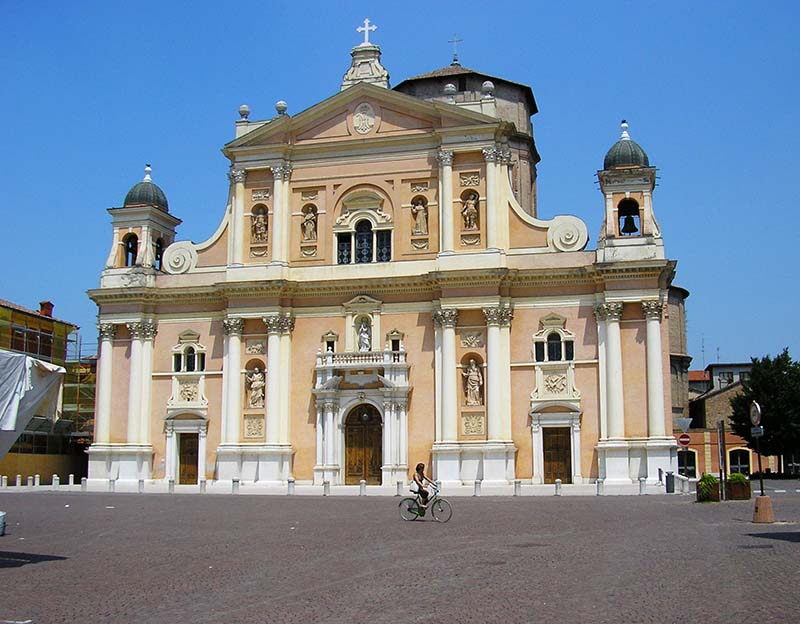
383 290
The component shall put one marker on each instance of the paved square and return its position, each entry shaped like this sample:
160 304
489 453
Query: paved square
71 557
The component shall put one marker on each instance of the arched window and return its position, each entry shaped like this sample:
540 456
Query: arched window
628 214
159 254
370 245
554 347
739 461
363 242
190 359
188 356
131 249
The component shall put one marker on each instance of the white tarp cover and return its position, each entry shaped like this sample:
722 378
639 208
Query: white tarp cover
28 387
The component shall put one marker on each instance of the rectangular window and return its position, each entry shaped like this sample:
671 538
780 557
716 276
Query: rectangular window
569 350
384 244
46 345
18 339
744 376
176 362
201 361
726 377
686 464
395 344
344 250
539 351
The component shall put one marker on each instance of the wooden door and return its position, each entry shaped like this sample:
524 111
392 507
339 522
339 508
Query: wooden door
363 439
557 454
187 453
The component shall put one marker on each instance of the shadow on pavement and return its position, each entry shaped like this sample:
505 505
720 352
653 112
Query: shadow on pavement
10 559
784 536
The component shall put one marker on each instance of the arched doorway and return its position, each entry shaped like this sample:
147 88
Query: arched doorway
363 433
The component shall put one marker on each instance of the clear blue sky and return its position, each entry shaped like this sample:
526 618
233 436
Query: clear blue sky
93 90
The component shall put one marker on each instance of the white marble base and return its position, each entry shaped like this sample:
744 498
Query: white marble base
460 463
268 464
124 462
327 472
446 463
659 455
614 461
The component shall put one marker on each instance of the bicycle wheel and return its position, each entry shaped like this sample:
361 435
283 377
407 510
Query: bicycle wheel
408 509
441 510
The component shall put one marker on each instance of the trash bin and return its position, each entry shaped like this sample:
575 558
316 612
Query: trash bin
670 483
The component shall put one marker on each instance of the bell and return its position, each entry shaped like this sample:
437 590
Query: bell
628 226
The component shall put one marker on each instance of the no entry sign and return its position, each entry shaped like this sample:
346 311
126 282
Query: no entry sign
684 439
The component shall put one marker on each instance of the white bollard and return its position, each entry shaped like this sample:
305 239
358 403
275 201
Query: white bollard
111 485
558 487
235 486
171 486
4 482
517 487
18 481
290 488
30 481
477 490
600 487
84 483
326 488
37 480
71 479
399 489
362 488
140 486
56 481
642 485
202 486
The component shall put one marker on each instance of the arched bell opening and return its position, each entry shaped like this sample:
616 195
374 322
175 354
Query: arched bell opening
363 443
629 217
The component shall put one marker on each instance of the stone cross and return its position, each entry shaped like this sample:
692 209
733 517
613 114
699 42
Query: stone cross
366 28
455 41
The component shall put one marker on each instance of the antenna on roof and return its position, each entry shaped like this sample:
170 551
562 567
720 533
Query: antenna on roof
455 41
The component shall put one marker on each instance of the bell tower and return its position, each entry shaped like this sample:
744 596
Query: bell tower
630 230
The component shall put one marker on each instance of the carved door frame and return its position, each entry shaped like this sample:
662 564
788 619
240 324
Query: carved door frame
350 411
540 421
174 425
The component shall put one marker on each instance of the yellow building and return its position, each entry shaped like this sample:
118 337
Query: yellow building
383 289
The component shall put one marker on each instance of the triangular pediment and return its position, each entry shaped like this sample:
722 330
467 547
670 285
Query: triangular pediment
361 112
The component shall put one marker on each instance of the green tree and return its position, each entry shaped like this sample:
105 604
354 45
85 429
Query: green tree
775 384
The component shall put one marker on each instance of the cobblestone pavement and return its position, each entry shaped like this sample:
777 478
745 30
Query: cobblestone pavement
71 557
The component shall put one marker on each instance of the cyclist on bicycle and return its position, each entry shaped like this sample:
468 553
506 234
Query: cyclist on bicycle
419 482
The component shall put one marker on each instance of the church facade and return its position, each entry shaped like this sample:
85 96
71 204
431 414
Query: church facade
382 291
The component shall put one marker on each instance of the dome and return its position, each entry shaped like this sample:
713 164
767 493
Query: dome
625 153
147 193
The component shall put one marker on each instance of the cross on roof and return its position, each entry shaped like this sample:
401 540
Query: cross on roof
366 28
455 41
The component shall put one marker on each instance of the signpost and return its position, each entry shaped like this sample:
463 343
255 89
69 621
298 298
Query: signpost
763 509
684 439
684 424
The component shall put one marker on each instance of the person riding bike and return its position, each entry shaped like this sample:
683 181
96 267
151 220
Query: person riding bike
419 482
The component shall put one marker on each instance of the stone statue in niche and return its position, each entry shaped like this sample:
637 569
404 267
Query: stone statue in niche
259 228
309 224
469 212
420 212
256 382
364 336
473 384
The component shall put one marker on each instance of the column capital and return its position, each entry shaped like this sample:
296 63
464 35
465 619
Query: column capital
107 331
143 330
608 311
505 156
286 323
652 310
279 323
233 326
446 318
445 157
237 175
499 315
329 405
282 171
492 154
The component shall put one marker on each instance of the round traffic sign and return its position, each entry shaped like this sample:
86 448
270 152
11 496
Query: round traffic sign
684 439
755 414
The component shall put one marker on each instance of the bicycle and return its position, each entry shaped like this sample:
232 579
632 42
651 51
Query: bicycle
411 507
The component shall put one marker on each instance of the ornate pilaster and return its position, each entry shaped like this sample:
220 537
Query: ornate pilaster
655 370
280 212
446 318
498 373
143 330
233 326
285 377
102 428
106 331
445 158
652 310
493 157
610 314
608 311
232 373
500 316
237 175
492 154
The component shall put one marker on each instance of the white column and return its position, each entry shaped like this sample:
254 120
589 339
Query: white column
389 439
401 424
505 373
135 382
437 371
330 433
655 372
201 454
448 319
493 387
601 366
615 398
492 156
233 328
171 452
576 449
280 216
148 336
537 444
102 427
237 218
320 448
285 367
274 324
445 158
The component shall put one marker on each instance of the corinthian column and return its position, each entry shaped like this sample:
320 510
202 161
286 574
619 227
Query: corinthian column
287 326
492 155
610 314
238 176
280 213
274 327
232 377
498 374
102 427
447 320
138 384
445 158
655 372
148 337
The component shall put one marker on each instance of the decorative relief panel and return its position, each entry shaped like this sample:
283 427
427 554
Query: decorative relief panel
472 339
308 251
188 391
473 424
555 384
261 194
419 187
254 427
255 347
364 118
470 179
470 240
309 195
419 244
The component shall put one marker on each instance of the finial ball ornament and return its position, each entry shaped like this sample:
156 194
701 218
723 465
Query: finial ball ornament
281 107
487 87
450 88
244 111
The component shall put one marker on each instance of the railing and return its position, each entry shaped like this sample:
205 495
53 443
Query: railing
354 359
